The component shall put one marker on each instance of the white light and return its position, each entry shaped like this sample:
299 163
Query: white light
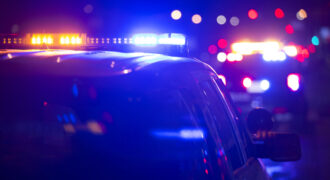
264 84
234 21
196 19
274 56
221 57
191 134
247 82
221 19
247 48
172 39
145 39
176 14
223 78
293 81
231 57
291 51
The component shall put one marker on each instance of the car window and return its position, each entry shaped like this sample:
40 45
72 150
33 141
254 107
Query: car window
63 125
218 114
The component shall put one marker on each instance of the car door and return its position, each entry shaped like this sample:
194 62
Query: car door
221 112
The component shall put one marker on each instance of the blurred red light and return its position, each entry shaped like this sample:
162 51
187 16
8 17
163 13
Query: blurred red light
247 82
222 43
300 58
279 13
212 49
311 48
289 29
253 14
305 53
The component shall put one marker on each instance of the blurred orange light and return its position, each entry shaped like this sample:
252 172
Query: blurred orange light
196 19
253 14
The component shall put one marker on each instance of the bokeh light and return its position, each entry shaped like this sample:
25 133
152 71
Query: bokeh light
234 21
212 49
265 84
279 13
311 48
315 41
196 19
88 9
301 14
247 82
253 14
176 14
221 19
222 43
221 57
289 29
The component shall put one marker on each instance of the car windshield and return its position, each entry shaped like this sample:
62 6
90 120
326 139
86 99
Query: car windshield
114 127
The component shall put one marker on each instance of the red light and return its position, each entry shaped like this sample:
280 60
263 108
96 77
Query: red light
222 43
206 171
279 13
253 14
45 103
300 58
289 29
305 53
247 82
311 48
212 49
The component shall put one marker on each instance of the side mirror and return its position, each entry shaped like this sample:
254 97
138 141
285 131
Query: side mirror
259 120
278 147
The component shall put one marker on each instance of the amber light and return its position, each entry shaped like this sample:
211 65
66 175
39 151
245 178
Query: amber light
38 39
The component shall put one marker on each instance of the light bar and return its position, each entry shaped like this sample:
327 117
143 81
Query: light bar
255 86
75 40
248 48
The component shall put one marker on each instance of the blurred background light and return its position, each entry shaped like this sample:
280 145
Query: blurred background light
301 14
221 57
289 29
274 56
145 39
196 19
311 48
176 14
315 41
264 84
222 43
253 14
223 78
212 49
291 50
247 82
234 21
231 57
221 19
293 81
279 13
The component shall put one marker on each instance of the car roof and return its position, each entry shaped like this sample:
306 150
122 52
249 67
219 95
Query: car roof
91 63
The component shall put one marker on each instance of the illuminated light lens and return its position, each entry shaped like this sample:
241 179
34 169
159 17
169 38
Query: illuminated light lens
212 49
196 19
239 57
172 39
289 29
293 81
49 40
264 84
305 53
247 48
279 13
291 51
247 82
67 40
315 41
191 134
176 14
234 21
34 41
222 43
274 56
221 19
301 14
223 78
221 57
38 40
145 39
231 57
253 14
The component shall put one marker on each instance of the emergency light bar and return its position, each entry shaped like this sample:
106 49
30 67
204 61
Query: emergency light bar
167 43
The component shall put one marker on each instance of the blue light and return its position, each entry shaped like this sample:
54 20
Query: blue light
172 39
149 39
188 134
66 118
264 85
73 118
145 39
75 90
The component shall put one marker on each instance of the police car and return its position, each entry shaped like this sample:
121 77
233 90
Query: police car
100 114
